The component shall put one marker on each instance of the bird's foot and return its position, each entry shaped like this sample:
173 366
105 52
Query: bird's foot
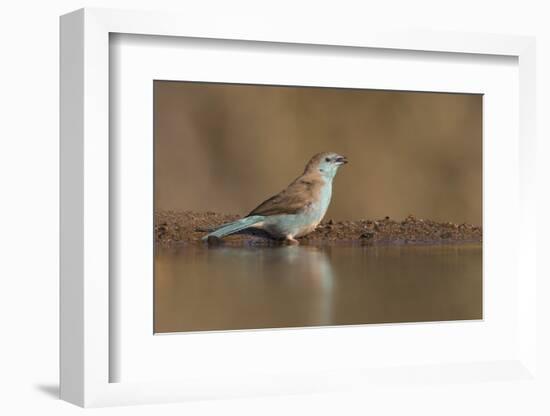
291 240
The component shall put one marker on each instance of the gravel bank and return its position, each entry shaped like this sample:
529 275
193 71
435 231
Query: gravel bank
189 227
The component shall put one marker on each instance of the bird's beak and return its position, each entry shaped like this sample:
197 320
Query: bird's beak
342 160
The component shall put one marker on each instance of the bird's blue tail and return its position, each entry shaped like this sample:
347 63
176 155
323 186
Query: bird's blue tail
235 226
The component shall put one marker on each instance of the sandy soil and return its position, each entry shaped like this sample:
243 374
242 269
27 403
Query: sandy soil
189 227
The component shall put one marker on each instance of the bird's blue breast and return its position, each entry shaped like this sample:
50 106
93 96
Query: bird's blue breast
302 222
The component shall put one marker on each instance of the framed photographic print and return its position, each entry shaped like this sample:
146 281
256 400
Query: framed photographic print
326 249
267 212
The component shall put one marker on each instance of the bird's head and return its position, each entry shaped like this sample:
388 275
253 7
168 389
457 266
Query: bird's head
326 163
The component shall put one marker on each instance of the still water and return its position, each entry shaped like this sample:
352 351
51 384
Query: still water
224 288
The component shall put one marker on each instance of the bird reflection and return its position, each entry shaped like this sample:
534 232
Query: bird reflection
307 269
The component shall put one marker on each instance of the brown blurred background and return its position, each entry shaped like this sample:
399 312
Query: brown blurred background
227 147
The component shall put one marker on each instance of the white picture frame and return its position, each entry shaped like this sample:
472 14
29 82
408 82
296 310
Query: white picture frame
86 265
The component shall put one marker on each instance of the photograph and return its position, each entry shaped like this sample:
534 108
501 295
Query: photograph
282 206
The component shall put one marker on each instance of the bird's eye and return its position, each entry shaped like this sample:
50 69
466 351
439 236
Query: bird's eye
327 159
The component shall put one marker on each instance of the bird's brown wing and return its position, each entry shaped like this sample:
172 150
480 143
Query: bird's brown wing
297 196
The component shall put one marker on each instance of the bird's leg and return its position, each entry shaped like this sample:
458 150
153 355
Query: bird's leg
291 240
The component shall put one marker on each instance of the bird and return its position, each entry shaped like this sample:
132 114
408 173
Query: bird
297 210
